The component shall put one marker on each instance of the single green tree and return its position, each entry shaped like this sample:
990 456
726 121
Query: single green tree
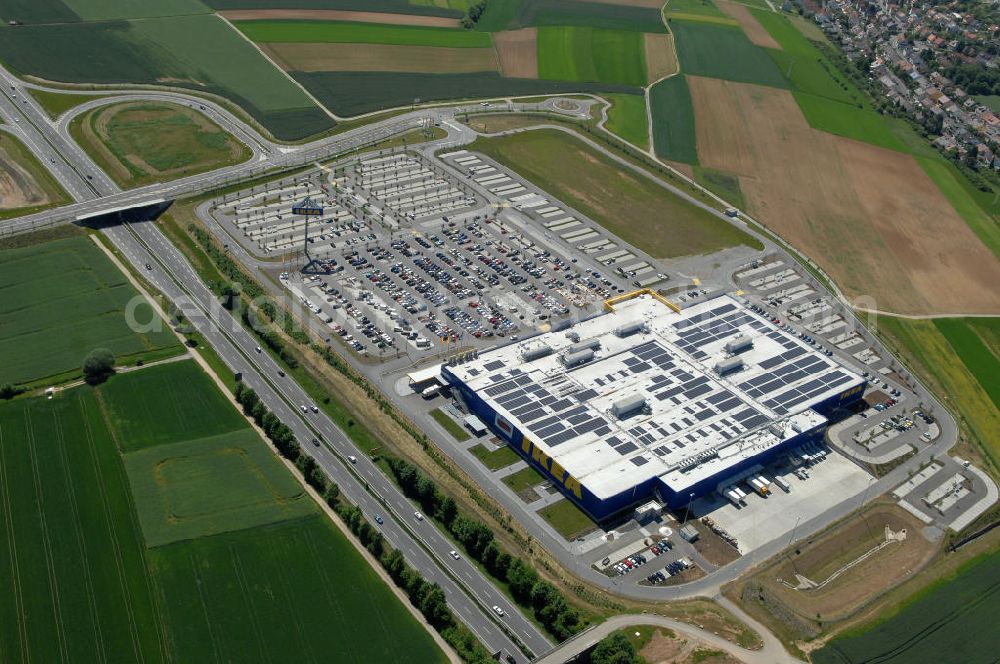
98 366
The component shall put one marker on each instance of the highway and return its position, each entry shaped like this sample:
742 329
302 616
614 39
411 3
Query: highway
470 593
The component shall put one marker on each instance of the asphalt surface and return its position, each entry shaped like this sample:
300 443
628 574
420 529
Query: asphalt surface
470 596
470 593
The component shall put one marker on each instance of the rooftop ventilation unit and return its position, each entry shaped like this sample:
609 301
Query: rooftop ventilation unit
628 405
587 344
577 358
729 365
531 354
629 328
739 344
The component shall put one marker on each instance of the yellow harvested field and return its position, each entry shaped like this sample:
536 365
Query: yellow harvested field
869 216
518 50
661 59
337 15
380 57
755 32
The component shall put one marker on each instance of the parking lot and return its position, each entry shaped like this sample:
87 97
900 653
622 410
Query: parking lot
407 259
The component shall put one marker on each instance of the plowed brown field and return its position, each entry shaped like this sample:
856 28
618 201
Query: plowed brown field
338 15
869 216
755 32
518 51
380 57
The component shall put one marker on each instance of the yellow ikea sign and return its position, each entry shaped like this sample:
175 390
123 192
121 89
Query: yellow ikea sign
852 391
554 469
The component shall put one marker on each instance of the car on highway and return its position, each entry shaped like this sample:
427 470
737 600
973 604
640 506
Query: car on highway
378 519
303 407
418 516
148 266
454 554
497 610
257 348
316 442
352 459
313 408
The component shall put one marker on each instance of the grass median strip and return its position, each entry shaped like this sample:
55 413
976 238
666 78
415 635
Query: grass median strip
450 425
495 459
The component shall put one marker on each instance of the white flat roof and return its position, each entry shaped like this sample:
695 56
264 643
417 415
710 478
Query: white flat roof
694 423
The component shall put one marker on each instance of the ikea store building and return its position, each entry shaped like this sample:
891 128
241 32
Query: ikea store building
647 402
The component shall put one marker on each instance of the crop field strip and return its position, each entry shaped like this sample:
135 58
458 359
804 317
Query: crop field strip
627 118
754 132
981 361
332 57
352 93
74 546
672 112
921 344
387 6
58 301
591 54
953 616
631 205
198 51
361 33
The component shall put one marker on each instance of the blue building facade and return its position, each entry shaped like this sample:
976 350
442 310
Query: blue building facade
603 508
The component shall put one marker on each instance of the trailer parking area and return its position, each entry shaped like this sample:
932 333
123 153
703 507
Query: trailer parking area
830 481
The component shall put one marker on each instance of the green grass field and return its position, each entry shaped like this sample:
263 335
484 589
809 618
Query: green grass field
524 13
991 101
51 192
627 118
523 479
848 121
390 6
82 586
179 397
297 590
105 10
978 357
722 184
591 54
923 346
693 8
673 120
207 486
55 104
568 520
950 620
629 204
361 33
721 51
803 64
60 300
495 459
200 52
75 576
353 93
139 143
456 430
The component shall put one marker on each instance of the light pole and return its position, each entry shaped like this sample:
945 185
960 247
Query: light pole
687 511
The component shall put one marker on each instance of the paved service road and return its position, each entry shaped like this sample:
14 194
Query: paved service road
470 594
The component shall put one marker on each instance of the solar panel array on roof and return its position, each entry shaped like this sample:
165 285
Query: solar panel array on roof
690 411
